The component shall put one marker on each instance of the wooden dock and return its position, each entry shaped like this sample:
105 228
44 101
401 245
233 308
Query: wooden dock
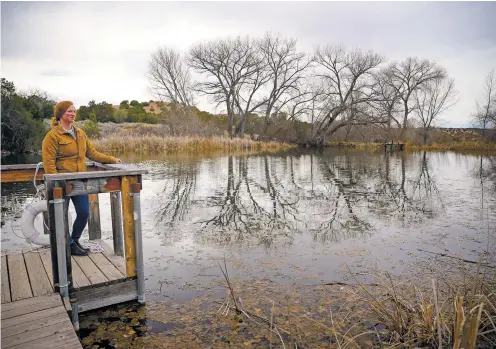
80 283
29 274
36 322
392 146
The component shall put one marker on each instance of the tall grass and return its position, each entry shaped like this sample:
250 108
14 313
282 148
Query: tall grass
456 146
153 143
454 312
462 145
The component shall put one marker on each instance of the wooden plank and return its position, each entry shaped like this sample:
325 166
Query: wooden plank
5 282
117 236
46 259
94 228
30 301
106 267
78 277
102 296
21 310
12 176
128 224
66 339
25 172
18 320
38 277
118 261
18 277
95 174
90 164
71 344
53 330
90 270
31 324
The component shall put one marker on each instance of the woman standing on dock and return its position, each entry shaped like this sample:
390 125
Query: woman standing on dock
64 150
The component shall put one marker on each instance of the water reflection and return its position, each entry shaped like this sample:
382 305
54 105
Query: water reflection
333 195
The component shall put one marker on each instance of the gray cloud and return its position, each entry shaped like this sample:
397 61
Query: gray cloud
104 46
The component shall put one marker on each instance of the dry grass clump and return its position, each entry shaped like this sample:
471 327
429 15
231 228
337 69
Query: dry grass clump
153 143
462 145
386 313
443 314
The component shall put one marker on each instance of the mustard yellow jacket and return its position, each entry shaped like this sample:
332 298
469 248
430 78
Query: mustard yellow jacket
62 153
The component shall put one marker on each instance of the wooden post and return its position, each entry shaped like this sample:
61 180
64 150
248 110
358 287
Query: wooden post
49 185
128 224
94 228
115 207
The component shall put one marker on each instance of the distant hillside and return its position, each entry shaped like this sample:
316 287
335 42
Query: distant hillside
152 108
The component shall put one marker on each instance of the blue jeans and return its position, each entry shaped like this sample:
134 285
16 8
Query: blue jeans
82 206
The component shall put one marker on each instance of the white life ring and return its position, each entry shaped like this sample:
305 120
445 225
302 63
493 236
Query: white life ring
30 232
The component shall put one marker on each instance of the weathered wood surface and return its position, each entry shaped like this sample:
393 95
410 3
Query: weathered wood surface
117 261
128 224
46 259
94 174
38 277
5 282
99 297
29 274
25 172
78 277
37 322
106 267
117 235
89 269
18 278
94 227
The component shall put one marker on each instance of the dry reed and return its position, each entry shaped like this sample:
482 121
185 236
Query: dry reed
153 143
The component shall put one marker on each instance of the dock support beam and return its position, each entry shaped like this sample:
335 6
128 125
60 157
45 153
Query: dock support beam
94 227
115 207
58 203
128 224
140 273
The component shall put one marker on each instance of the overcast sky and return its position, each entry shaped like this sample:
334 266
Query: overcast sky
99 51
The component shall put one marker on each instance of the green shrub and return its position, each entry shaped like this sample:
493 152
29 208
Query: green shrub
91 129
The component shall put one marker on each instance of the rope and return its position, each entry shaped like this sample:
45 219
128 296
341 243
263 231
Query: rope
94 247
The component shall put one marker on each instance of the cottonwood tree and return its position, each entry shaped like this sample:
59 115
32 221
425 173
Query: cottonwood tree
433 100
410 75
286 67
387 104
248 96
170 77
227 66
485 115
346 83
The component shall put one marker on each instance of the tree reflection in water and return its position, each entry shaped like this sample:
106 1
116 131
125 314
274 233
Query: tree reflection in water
264 199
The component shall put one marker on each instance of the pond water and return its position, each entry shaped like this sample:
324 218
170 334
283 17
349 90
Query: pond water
296 217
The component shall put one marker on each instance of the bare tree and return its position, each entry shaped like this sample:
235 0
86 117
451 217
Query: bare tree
226 65
170 77
408 76
346 83
485 116
286 67
432 100
388 102
248 94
